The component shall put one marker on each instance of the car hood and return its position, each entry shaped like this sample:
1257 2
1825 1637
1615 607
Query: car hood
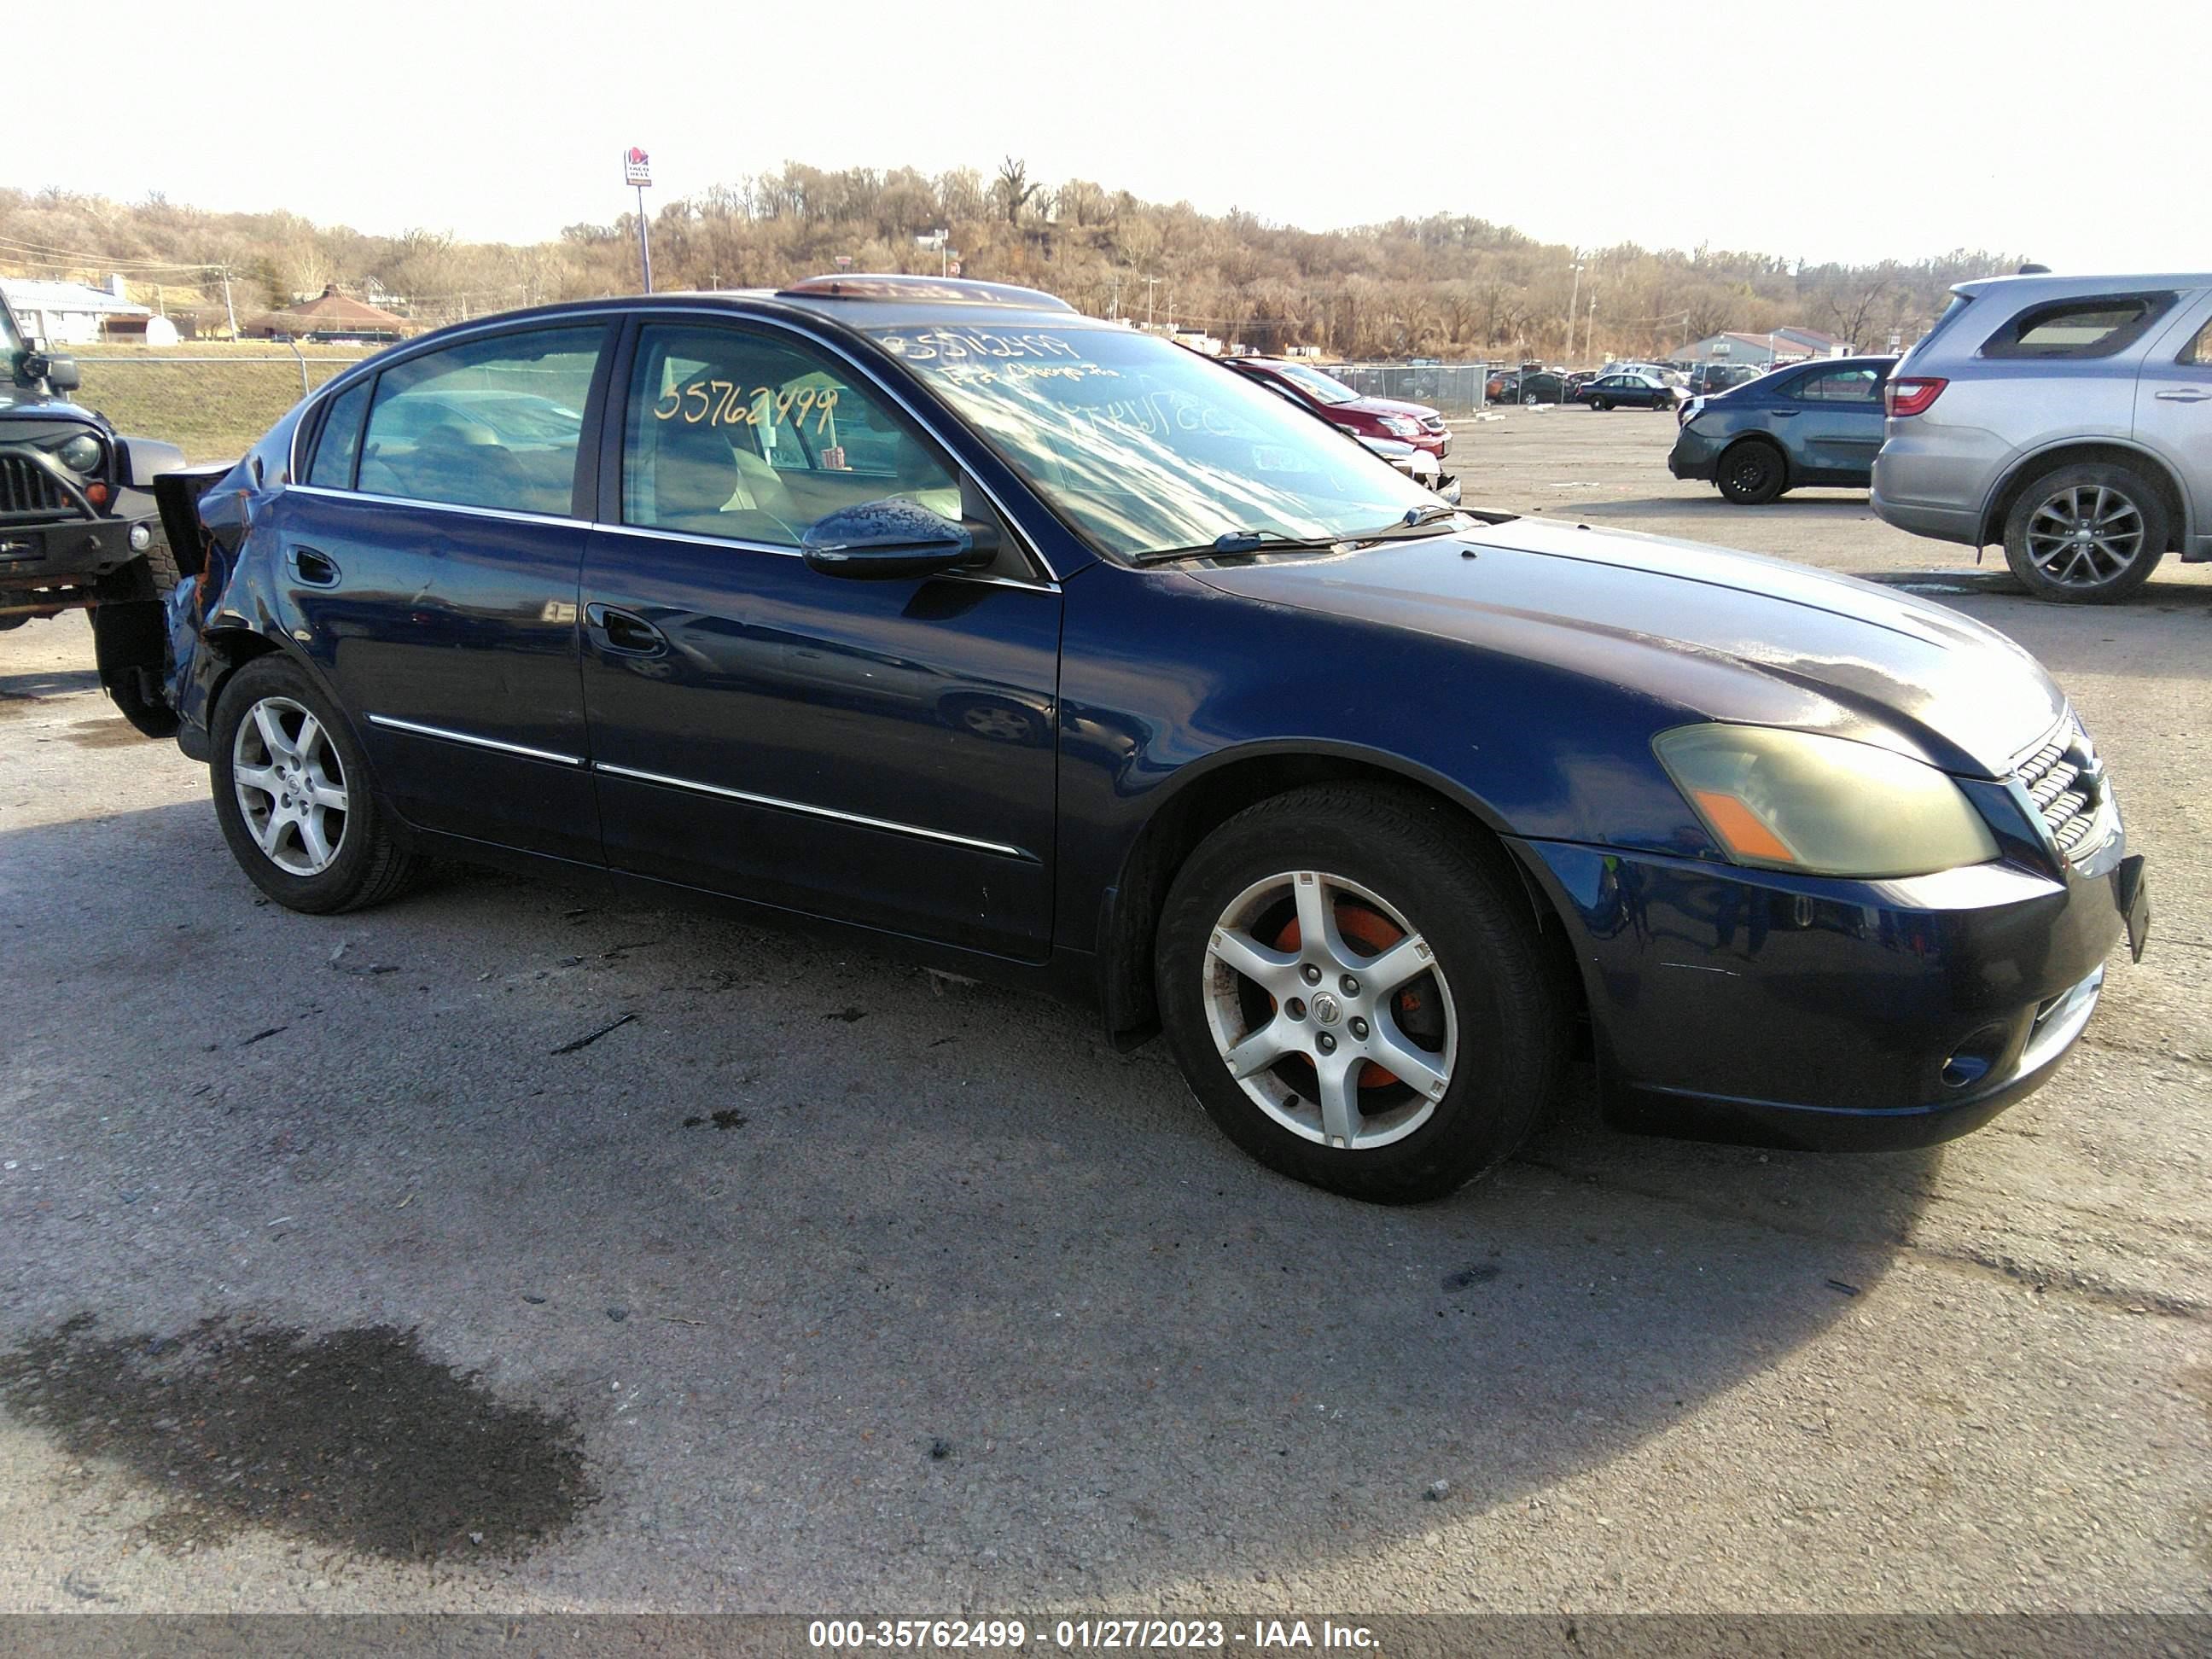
1389 406
21 403
1700 632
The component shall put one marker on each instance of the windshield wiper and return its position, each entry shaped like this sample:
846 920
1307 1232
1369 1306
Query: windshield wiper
1415 522
1249 541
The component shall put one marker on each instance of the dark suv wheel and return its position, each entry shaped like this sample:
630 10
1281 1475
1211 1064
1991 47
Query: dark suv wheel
2086 534
1357 997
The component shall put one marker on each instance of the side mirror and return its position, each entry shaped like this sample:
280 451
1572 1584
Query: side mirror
60 374
892 538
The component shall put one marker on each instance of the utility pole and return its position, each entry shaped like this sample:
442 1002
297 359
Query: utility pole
1151 282
230 310
1574 298
1590 329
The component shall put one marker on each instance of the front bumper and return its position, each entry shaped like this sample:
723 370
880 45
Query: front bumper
48 558
1746 1006
1693 455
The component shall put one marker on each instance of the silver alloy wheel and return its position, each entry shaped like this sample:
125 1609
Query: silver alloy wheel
2085 536
1324 1013
290 785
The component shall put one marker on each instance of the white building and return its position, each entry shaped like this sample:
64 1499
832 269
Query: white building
65 313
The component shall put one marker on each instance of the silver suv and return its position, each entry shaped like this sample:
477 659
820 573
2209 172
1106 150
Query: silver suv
2069 417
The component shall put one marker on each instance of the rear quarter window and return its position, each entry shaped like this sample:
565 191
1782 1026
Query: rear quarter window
2095 326
339 440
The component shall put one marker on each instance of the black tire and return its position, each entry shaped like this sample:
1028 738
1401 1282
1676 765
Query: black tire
370 864
2028 529
1751 472
162 567
1505 993
1601 405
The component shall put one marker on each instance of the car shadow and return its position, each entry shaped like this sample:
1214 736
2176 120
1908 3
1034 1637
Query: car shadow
1798 504
49 682
849 1276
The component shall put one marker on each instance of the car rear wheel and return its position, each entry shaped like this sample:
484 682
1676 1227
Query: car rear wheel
1357 997
2086 534
293 794
1752 474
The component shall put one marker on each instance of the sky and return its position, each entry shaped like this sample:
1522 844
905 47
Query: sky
1833 132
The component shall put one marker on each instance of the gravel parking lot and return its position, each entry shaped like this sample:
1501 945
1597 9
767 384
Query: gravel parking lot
503 1249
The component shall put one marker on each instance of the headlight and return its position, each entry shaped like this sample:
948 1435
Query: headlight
81 454
1401 425
1823 806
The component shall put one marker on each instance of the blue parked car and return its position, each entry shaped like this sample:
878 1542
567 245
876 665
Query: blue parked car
1818 424
1056 654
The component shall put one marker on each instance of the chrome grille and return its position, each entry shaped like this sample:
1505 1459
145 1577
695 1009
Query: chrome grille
2067 787
25 488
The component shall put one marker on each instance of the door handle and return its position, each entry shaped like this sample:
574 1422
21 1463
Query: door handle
312 566
624 630
2187 394
1785 413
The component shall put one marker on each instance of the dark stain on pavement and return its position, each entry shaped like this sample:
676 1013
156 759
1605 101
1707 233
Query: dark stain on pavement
354 1439
106 734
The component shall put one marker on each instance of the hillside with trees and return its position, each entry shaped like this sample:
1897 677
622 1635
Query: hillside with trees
1446 286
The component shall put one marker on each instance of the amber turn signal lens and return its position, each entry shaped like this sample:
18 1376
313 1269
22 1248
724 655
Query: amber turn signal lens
1743 830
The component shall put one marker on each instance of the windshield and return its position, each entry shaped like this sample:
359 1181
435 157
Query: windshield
1144 447
1326 387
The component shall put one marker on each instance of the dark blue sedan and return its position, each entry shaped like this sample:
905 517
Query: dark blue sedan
1054 654
1817 425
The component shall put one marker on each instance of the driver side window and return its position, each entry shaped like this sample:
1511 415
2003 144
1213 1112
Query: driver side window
741 435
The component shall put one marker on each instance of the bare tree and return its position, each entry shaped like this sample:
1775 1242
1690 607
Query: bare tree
1014 188
1851 311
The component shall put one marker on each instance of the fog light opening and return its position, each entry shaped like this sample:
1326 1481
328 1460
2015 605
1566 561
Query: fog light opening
141 538
1974 1059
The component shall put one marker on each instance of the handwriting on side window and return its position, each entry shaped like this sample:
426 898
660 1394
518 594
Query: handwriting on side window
725 403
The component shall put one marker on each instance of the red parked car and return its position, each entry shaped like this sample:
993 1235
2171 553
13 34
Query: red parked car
1338 404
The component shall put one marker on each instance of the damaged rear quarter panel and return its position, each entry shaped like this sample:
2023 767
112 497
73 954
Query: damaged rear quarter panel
234 610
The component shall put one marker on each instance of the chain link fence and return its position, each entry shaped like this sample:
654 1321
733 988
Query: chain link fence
1448 388
213 404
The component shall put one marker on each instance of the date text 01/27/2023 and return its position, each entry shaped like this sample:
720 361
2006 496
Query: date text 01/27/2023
1088 1635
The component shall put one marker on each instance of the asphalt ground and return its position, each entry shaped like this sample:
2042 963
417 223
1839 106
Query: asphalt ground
504 1250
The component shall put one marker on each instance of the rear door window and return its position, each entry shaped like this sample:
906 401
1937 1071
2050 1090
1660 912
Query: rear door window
2096 326
492 423
2198 351
1840 385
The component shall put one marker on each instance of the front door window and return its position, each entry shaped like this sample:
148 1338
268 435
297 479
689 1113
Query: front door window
736 435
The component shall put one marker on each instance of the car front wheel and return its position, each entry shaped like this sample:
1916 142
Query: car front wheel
293 794
1357 997
2086 535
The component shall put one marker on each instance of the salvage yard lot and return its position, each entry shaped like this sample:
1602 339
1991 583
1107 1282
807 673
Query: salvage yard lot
382 1262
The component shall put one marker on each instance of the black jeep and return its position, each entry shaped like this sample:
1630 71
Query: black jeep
78 525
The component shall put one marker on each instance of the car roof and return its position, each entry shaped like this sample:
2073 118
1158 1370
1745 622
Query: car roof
2042 285
857 303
